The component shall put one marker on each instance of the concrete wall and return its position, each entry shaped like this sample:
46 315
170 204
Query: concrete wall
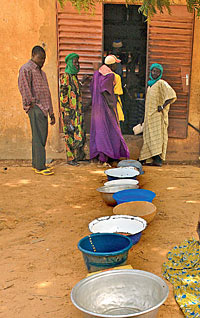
26 23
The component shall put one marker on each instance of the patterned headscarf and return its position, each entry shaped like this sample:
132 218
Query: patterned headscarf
70 68
153 81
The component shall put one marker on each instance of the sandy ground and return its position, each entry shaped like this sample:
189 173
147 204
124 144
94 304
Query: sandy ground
43 218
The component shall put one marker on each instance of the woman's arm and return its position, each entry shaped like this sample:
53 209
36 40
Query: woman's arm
109 99
167 102
168 94
85 78
64 92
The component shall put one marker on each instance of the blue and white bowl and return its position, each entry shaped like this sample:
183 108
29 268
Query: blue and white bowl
124 224
122 173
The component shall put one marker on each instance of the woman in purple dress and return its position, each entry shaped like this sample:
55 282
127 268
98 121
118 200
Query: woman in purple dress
106 140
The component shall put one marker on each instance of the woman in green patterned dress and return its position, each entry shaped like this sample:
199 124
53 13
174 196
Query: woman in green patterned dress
71 110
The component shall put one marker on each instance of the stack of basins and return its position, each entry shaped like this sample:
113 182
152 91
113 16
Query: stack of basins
121 178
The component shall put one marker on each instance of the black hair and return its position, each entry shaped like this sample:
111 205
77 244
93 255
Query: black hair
38 50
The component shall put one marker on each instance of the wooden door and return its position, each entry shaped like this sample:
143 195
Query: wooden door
170 39
81 34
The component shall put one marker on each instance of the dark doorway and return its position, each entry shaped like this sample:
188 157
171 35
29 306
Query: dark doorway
125 35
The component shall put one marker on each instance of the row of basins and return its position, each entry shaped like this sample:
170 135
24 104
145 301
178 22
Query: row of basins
119 293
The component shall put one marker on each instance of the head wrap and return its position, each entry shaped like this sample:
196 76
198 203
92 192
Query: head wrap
111 59
153 81
70 68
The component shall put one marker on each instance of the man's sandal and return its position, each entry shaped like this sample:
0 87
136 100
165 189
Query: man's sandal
45 172
47 167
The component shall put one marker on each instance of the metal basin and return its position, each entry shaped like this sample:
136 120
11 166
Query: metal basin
123 293
108 191
123 182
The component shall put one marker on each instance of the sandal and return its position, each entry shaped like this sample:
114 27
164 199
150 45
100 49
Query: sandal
73 163
47 167
45 172
153 164
106 164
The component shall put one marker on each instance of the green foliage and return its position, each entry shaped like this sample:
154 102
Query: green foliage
194 5
148 7
62 3
81 5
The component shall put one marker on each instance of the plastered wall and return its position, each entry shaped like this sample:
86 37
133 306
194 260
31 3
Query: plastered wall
24 24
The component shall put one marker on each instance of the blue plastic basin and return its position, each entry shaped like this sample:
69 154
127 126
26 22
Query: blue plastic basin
111 250
135 237
134 195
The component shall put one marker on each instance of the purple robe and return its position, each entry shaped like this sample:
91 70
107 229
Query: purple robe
106 139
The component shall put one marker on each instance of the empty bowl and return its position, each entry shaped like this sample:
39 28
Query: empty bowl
143 209
134 195
124 224
127 293
107 192
121 173
133 183
131 163
104 250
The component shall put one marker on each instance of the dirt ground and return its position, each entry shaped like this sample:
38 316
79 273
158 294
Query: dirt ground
43 218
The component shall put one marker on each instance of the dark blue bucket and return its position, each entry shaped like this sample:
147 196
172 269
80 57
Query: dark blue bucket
134 195
111 250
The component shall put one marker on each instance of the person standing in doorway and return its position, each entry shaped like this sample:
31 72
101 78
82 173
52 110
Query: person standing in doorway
116 50
106 141
155 136
118 91
37 103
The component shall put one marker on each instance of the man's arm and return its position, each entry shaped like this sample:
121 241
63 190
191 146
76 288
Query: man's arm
24 84
51 114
